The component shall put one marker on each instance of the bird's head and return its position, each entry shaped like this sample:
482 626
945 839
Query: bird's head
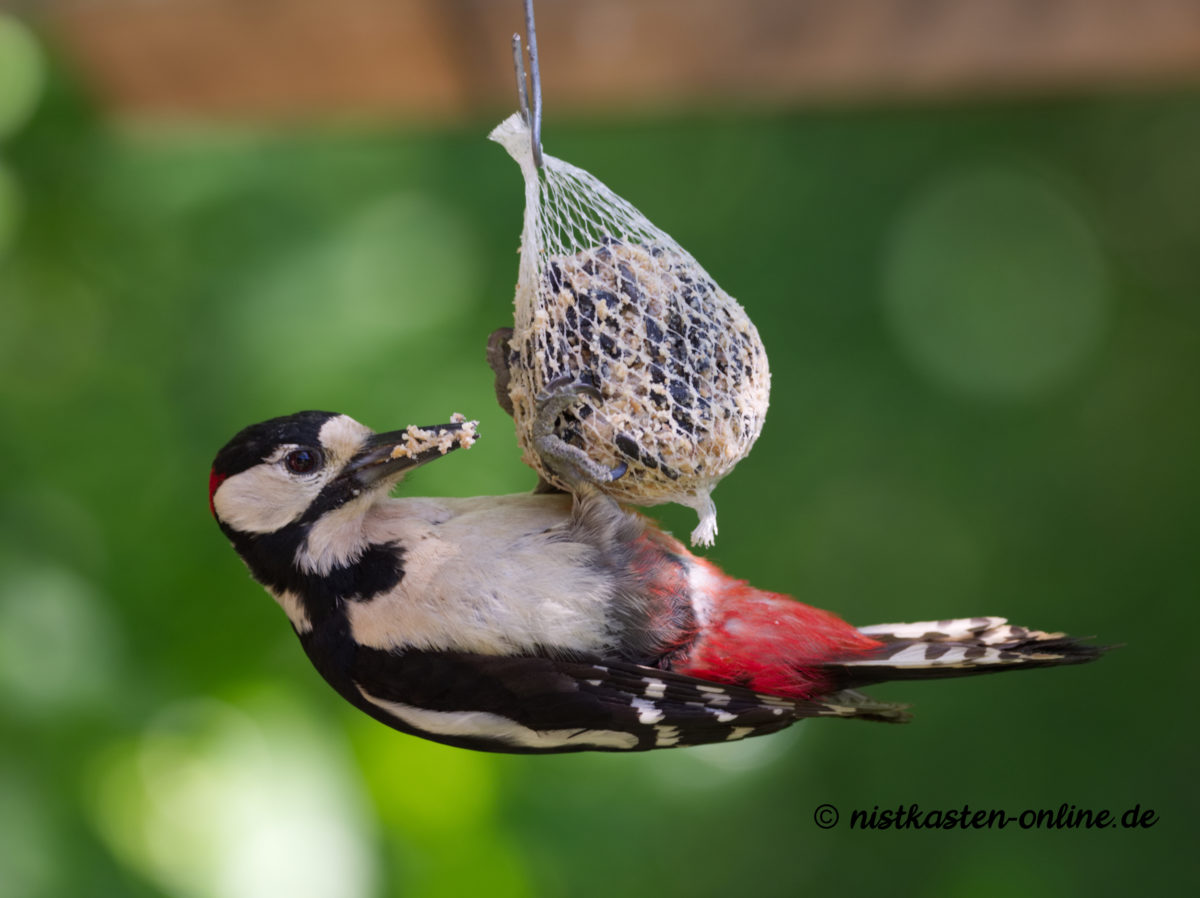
295 469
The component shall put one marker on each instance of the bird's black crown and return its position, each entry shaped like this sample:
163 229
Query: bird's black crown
254 443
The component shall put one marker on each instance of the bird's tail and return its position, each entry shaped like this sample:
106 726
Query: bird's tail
960 647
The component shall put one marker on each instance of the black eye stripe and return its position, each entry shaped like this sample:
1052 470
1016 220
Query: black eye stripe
302 461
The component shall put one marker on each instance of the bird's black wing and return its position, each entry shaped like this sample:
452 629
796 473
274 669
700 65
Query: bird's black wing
535 704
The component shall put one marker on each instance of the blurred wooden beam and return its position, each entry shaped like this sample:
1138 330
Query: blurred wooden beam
443 59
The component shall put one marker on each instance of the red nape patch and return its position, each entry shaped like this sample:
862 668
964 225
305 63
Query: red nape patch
214 481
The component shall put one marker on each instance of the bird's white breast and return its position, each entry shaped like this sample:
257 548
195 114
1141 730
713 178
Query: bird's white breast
492 575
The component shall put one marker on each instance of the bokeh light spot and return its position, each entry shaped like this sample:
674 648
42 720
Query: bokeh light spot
424 785
218 801
394 272
56 641
22 74
994 285
441 805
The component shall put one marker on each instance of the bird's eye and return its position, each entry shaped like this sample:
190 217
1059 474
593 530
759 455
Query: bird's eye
302 461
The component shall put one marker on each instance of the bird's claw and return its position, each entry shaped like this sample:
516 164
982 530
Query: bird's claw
570 463
560 394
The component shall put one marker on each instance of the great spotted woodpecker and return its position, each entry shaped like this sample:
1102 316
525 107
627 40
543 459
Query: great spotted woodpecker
549 622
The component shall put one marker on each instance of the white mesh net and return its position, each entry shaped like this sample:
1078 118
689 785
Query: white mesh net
608 300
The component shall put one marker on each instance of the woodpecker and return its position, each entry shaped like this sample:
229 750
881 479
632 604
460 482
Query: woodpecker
550 622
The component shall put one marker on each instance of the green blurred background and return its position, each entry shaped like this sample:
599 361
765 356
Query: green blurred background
982 323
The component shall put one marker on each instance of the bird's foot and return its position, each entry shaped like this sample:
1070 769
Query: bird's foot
570 463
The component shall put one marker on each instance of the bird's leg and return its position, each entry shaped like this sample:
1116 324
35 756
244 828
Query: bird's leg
570 463
596 517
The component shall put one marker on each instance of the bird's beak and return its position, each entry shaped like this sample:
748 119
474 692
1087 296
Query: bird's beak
387 455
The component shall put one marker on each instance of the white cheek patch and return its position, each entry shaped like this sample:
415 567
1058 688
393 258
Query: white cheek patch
265 498
262 499
493 727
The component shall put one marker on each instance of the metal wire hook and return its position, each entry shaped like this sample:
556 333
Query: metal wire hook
532 118
519 68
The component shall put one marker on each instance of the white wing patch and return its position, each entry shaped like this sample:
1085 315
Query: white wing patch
484 725
654 688
648 712
666 736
